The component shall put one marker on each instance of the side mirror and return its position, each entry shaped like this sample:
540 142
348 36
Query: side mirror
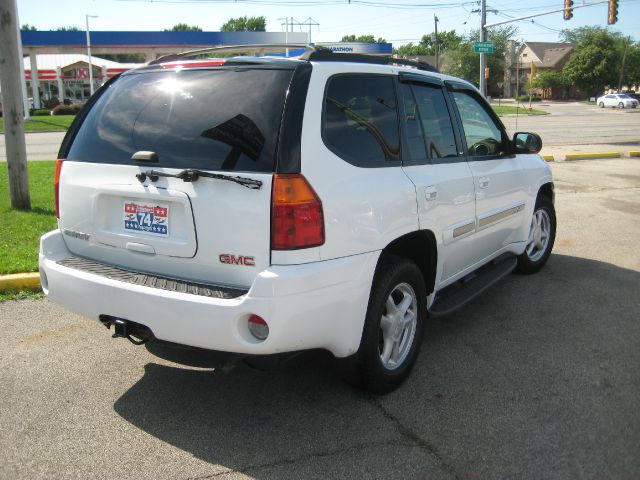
525 142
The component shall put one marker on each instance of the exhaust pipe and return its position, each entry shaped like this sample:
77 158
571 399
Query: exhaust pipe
134 332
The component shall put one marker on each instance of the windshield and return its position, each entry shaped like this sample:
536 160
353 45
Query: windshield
222 119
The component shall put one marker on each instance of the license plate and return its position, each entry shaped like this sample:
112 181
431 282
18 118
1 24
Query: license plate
146 218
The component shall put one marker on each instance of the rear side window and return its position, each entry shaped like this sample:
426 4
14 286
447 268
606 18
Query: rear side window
360 119
428 127
205 119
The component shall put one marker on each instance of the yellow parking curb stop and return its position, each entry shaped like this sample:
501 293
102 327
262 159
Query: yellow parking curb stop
585 156
634 153
549 158
20 281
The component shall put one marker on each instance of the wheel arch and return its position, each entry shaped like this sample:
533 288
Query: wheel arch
547 190
419 246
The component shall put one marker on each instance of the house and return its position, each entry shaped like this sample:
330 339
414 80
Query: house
532 57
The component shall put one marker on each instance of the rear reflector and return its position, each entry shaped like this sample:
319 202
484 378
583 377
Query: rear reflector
258 327
56 185
297 220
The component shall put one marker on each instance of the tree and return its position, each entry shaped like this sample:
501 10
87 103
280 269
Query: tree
447 40
245 24
71 28
125 57
27 27
549 79
464 62
183 27
595 63
632 66
576 35
363 39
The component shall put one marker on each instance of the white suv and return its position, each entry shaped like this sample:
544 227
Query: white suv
268 205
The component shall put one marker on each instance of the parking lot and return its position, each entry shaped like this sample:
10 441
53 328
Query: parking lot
539 378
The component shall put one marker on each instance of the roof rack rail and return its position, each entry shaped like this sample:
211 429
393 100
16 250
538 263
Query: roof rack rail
232 48
326 55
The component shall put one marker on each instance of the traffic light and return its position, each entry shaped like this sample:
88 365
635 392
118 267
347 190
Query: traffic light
613 12
486 72
568 9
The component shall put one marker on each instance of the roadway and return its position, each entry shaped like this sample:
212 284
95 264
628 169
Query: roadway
538 378
571 127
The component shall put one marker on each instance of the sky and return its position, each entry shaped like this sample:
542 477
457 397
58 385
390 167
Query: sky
399 22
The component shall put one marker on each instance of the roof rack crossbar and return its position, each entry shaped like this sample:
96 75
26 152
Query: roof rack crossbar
231 48
326 55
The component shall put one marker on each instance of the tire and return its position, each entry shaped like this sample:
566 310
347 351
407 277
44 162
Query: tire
391 336
601 104
542 235
621 105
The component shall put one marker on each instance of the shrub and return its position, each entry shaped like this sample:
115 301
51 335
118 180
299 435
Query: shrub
41 112
50 103
67 109
525 98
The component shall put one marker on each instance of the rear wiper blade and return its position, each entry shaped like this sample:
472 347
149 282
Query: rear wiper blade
192 174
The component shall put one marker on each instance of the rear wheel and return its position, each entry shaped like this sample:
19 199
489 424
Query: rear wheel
621 105
542 234
393 328
601 104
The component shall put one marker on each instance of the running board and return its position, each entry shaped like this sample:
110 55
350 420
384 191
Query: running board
457 295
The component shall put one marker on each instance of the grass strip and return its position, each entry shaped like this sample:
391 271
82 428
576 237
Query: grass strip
39 124
20 230
511 110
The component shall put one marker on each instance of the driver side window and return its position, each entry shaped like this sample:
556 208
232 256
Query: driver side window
484 137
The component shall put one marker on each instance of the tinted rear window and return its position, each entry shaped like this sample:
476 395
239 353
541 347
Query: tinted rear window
205 119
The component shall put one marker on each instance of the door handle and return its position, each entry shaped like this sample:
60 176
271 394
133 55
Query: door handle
430 192
483 182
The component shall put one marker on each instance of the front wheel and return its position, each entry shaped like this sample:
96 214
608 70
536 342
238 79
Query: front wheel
601 104
621 105
393 328
542 234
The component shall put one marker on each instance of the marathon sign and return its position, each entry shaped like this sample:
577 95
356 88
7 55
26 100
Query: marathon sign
356 47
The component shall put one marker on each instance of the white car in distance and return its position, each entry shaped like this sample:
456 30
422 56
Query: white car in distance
617 100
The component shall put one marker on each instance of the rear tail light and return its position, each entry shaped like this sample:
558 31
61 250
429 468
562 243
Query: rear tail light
297 220
56 185
258 327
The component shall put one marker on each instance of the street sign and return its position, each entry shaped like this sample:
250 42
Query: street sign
483 47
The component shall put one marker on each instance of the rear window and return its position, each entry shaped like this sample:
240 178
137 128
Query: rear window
225 119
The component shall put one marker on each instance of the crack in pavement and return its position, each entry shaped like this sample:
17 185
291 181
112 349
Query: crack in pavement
415 439
294 460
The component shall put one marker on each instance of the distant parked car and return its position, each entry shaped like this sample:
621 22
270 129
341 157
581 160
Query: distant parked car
617 100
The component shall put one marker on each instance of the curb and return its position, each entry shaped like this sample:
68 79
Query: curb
586 156
20 281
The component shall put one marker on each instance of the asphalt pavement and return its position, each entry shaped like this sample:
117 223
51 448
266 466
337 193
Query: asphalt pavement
539 378
40 145
574 127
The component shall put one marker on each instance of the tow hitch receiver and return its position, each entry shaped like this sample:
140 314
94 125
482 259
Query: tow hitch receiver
134 332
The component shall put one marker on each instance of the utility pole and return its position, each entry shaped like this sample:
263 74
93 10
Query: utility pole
483 38
435 21
89 53
10 83
624 59
310 21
